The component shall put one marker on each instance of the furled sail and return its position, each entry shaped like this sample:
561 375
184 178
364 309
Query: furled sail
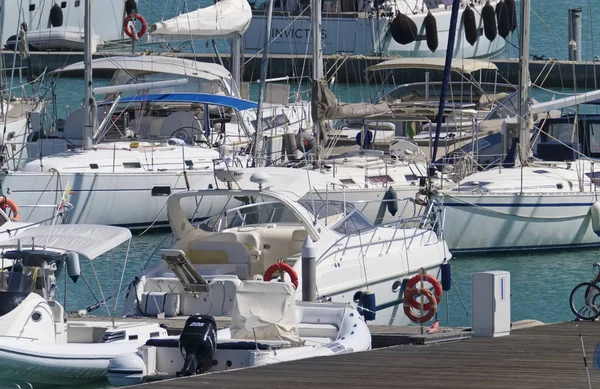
325 106
225 18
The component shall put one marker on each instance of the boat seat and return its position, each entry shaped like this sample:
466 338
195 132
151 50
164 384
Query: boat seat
217 252
281 242
265 311
313 330
186 273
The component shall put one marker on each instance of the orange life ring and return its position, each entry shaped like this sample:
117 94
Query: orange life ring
427 313
280 266
5 203
132 18
412 283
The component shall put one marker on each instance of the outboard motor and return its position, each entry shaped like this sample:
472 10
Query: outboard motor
197 344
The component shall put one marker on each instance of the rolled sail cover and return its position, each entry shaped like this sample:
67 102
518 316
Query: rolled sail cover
324 106
224 19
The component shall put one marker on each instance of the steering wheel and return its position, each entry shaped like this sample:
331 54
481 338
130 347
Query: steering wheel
186 133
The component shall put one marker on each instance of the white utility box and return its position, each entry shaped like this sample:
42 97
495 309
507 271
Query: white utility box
490 296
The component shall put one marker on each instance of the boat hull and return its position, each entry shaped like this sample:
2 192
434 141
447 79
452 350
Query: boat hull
483 223
128 200
57 364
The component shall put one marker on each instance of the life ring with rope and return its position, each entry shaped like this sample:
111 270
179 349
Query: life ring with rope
428 278
7 203
132 18
281 267
426 314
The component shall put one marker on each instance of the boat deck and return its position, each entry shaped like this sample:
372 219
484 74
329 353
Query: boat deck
545 356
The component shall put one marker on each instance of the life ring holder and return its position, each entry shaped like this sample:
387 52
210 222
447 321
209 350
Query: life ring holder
281 267
412 283
8 203
132 18
408 308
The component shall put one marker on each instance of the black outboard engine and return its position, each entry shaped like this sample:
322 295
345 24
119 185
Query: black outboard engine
197 344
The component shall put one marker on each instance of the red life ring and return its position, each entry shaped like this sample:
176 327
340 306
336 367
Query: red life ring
427 314
280 266
412 283
6 203
132 18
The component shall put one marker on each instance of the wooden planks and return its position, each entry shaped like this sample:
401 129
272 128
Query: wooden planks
546 356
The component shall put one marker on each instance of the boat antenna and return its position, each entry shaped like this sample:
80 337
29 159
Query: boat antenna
446 80
87 61
264 64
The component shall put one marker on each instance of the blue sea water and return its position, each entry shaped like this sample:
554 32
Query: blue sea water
540 282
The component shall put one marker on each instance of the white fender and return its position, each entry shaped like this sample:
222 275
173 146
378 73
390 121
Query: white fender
73 267
595 211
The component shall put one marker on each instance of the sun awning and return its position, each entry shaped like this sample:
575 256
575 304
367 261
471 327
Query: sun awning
226 18
198 98
460 65
86 239
143 64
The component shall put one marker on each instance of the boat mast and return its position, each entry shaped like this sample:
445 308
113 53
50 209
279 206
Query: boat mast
317 68
87 61
258 144
446 80
523 117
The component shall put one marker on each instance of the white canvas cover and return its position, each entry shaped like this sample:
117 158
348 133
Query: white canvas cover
86 239
225 18
267 307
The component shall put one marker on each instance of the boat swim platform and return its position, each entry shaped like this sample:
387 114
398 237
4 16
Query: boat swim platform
549 73
543 356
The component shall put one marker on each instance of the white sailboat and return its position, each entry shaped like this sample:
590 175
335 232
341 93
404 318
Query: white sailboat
545 202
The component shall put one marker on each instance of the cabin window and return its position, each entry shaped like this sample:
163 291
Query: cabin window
132 165
161 191
63 4
93 166
189 163
410 177
594 131
77 3
31 7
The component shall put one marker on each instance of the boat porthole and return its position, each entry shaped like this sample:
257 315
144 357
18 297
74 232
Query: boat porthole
228 363
357 296
396 286
36 316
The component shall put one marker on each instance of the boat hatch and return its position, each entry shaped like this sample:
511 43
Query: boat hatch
380 179
353 223
191 280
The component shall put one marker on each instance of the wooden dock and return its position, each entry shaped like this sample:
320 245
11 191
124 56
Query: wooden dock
548 73
546 356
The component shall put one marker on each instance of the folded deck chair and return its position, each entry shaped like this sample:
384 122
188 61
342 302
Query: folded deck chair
191 280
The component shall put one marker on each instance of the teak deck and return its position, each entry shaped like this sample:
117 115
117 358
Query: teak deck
546 356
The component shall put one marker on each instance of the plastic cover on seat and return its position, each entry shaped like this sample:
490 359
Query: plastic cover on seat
267 309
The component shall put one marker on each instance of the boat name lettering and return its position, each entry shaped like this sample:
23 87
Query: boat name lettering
297 33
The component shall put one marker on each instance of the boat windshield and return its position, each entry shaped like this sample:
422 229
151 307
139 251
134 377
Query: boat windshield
254 211
14 281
